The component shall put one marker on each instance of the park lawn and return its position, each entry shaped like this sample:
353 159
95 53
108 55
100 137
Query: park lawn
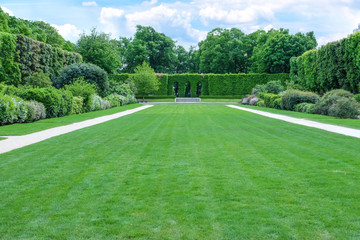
184 172
27 128
351 123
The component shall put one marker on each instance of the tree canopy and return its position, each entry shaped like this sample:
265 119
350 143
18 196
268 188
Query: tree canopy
145 80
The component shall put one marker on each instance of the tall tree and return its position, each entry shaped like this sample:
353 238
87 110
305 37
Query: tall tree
145 80
152 47
98 49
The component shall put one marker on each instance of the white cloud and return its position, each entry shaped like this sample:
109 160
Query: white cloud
107 15
68 31
89 4
152 2
8 11
269 27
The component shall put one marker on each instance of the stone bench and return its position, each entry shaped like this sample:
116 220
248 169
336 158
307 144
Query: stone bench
187 100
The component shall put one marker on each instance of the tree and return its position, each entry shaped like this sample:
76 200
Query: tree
155 48
145 80
98 49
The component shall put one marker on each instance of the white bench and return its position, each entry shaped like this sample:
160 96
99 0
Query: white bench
187 100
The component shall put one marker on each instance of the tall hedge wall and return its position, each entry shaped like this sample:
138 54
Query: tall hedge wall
335 65
9 69
211 84
119 78
22 56
240 84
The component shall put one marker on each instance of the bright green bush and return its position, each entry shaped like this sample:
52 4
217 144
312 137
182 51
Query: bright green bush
83 89
337 103
36 111
91 73
269 99
78 105
294 97
116 100
305 107
12 110
260 103
38 79
278 103
357 97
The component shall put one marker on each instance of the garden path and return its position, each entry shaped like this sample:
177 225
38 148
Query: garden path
15 142
327 127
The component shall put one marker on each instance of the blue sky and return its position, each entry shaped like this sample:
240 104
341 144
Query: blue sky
188 22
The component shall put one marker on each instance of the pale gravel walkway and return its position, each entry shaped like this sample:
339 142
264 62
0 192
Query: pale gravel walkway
15 142
327 127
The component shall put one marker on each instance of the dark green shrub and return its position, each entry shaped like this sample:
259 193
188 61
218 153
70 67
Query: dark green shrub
357 97
331 102
294 97
274 87
91 73
278 103
38 79
269 99
36 111
305 107
83 89
78 104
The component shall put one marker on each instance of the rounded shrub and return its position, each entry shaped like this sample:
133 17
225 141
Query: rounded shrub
78 104
36 111
12 110
294 97
332 100
305 107
38 79
260 103
83 89
90 72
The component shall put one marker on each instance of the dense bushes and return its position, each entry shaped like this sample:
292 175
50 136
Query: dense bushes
333 66
22 57
83 90
9 69
16 110
305 107
294 97
338 103
38 79
58 103
270 100
90 72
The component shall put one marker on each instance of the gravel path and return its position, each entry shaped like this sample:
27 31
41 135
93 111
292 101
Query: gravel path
327 127
15 142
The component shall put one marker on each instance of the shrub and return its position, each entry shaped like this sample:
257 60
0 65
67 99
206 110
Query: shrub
90 72
36 111
305 107
344 108
57 103
97 103
357 97
260 103
78 103
294 97
338 103
12 110
274 87
258 89
116 100
38 79
269 99
83 89
278 103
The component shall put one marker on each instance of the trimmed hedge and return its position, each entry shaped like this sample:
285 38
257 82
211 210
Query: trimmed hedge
21 56
119 78
9 69
212 85
333 66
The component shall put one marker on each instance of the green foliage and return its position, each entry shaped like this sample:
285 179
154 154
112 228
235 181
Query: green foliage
98 49
260 103
97 103
119 78
9 68
305 107
35 111
357 97
274 50
334 103
197 83
270 98
274 87
38 79
78 105
84 90
116 100
333 66
12 110
90 72
58 103
152 47
294 97
35 56
37 30
145 80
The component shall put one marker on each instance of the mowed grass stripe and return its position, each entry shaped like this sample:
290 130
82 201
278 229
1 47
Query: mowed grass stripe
184 171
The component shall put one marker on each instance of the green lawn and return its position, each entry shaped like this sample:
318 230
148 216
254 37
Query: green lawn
27 128
352 123
184 172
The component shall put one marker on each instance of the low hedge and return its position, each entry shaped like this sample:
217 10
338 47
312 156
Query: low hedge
294 97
